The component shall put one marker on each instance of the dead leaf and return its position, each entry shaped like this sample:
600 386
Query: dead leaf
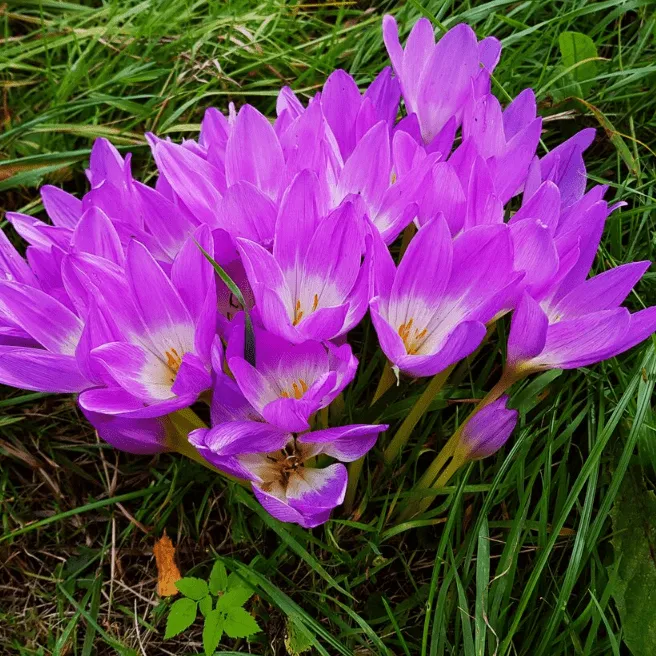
167 571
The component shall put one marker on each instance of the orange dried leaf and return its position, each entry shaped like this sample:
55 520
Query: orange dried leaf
167 571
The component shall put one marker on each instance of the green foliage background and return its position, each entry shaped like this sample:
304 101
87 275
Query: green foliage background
546 549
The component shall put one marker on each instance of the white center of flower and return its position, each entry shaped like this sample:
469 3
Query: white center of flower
413 338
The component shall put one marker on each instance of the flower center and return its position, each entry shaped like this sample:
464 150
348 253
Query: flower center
413 338
284 463
299 312
298 389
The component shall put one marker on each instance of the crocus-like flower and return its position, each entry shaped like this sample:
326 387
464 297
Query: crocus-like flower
487 431
506 139
432 310
436 78
281 469
281 464
41 355
350 114
563 166
314 285
147 338
289 382
586 326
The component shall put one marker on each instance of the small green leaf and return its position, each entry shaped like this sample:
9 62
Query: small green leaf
575 48
249 335
239 623
234 598
212 631
192 587
299 639
205 605
218 578
181 616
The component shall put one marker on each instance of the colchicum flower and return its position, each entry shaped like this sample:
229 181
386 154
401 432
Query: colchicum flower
281 464
315 284
432 310
289 382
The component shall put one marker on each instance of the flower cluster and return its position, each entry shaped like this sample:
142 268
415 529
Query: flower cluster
118 298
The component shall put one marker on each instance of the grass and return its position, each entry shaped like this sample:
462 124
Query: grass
516 557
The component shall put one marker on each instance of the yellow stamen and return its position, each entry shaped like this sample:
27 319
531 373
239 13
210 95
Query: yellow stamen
404 331
298 389
412 343
298 313
315 304
173 360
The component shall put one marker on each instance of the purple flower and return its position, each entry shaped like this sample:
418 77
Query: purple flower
141 436
487 431
563 166
585 326
565 320
432 310
350 115
281 464
507 139
147 338
42 335
436 78
315 284
289 382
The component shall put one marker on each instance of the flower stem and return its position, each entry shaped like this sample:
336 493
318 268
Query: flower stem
408 234
179 425
425 503
449 460
354 473
387 379
416 413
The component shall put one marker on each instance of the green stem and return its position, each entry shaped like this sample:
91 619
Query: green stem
354 473
408 234
425 503
387 379
416 413
436 469
180 424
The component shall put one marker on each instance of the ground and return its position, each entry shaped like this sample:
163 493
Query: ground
517 557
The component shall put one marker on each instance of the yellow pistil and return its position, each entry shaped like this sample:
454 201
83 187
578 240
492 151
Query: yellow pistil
298 389
412 342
